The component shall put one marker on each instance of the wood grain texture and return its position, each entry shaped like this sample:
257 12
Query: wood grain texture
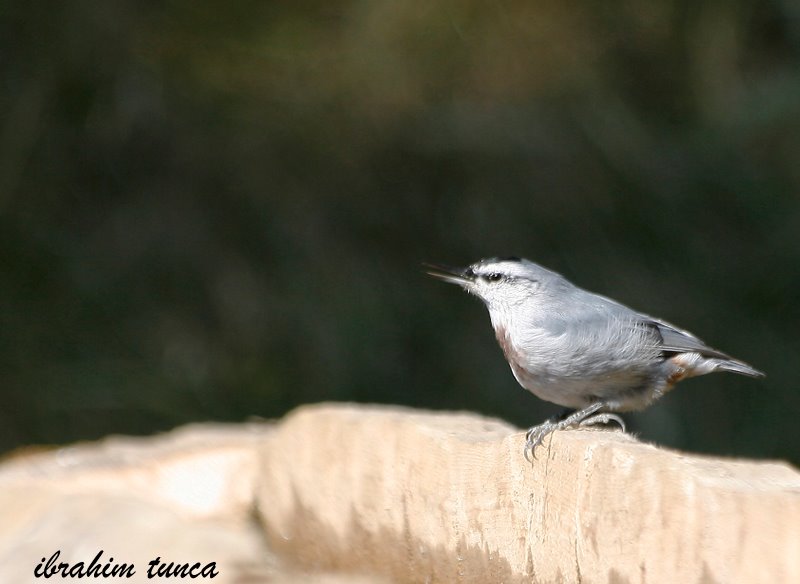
368 494
430 497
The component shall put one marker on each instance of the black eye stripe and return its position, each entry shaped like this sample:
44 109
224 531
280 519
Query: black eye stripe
493 276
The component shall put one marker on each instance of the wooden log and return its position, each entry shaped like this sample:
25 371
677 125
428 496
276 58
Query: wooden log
442 497
185 497
371 494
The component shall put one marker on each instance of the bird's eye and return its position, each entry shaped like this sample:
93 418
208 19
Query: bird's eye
493 276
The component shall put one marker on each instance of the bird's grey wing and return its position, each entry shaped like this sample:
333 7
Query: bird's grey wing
667 337
675 340
595 325
598 323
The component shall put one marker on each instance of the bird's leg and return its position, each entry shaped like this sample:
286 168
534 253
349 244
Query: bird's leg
587 416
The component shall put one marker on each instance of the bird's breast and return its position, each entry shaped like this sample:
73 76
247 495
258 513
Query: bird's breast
574 380
514 357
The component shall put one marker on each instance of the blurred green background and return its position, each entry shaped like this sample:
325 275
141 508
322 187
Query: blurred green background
211 211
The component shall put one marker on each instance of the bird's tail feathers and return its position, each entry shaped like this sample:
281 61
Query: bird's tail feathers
737 367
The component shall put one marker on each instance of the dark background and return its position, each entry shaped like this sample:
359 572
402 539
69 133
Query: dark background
211 211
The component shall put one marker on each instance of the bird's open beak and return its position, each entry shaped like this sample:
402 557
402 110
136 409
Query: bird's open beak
447 274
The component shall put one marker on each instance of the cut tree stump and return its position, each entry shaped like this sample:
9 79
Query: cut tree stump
353 493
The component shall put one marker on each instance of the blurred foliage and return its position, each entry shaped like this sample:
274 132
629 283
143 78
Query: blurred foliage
217 210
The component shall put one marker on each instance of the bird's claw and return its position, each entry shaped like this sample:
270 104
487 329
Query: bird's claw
536 435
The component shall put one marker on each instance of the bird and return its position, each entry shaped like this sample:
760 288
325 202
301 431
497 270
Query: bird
581 350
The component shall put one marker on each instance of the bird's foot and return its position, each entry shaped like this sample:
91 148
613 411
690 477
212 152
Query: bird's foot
604 418
536 435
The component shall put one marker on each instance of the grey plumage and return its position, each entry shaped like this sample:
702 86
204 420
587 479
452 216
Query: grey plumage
579 349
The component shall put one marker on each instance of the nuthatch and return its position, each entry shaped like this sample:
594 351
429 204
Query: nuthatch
581 350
